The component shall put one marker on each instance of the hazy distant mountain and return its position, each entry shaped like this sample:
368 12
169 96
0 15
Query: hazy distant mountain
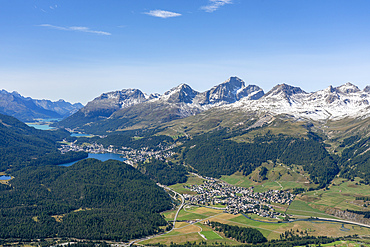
121 109
28 109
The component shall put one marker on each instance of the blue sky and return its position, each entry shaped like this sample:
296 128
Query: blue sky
76 50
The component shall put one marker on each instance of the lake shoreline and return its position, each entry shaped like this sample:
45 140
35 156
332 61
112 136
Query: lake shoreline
102 157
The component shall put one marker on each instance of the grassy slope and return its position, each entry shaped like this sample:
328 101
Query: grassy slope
279 177
192 180
336 131
185 231
341 194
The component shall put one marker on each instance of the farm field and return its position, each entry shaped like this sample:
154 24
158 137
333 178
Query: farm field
238 179
191 230
347 243
301 208
192 180
341 194
192 227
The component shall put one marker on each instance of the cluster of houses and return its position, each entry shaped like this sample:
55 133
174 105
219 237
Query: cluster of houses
214 193
143 154
91 148
132 155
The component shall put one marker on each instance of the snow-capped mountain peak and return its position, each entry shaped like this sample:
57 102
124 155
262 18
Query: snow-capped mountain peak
228 92
284 93
182 101
183 93
112 101
348 88
285 90
331 103
152 96
250 92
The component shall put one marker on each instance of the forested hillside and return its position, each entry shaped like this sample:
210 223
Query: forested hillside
215 155
355 159
89 200
21 145
166 173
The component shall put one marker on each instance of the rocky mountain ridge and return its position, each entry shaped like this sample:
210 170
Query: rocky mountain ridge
331 103
227 92
130 107
179 102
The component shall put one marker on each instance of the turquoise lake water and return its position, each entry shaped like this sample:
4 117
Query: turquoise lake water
80 135
47 127
41 126
102 157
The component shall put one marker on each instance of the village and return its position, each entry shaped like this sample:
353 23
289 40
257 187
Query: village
214 193
132 156
211 193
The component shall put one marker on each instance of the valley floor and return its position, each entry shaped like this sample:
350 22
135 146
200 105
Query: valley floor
191 224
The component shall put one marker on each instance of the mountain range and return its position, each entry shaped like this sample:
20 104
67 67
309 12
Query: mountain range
131 108
332 103
288 137
28 109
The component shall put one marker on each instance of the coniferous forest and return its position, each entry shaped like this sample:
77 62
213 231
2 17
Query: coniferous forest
355 159
241 234
215 154
166 173
21 146
89 200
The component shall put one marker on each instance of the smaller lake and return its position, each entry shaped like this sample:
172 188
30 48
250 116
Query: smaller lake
5 177
80 135
101 157
41 126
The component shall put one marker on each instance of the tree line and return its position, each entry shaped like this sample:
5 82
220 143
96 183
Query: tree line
241 234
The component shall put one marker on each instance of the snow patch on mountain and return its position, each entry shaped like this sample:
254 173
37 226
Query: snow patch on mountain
116 100
191 102
331 103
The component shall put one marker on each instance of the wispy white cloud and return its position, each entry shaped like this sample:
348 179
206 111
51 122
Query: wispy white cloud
214 5
162 13
77 29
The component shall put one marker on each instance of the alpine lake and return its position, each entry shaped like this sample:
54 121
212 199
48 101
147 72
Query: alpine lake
101 157
43 124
